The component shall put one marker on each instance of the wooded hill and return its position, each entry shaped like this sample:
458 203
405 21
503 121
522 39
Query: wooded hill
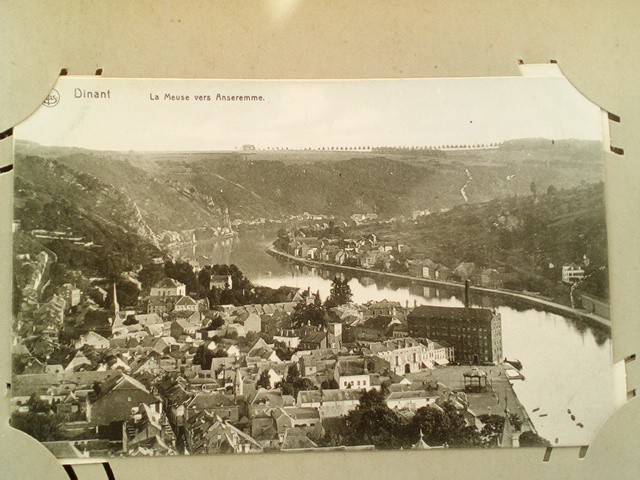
186 190
530 236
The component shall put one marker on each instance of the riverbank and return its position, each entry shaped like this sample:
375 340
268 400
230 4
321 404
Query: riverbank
548 306
498 398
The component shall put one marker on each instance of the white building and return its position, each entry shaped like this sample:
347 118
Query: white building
572 273
168 287
405 355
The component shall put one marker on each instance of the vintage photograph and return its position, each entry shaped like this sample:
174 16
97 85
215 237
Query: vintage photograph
206 267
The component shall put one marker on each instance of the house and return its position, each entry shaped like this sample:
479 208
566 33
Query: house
111 402
304 420
383 307
183 327
208 433
572 273
399 330
220 404
262 356
290 338
405 355
443 353
77 361
374 329
266 400
352 373
264 430
314 340
71 295
144 433
251 322
168 287
409 400
340 257
222 282
467 271
94 340
161 305
186 304
148 319
491 278
274 377
331 403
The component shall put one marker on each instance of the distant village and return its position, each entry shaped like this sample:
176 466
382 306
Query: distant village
331 244
176 374
369 252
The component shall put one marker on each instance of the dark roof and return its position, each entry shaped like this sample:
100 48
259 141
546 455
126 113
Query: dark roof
379 322
314 337
186 300
450 313
168 283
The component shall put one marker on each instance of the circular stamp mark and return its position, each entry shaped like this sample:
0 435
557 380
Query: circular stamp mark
52 99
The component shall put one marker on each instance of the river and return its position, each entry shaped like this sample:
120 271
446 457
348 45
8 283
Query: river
567 364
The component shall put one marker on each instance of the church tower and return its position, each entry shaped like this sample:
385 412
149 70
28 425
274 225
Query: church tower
117 320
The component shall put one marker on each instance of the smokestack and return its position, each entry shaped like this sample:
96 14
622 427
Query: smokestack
466 294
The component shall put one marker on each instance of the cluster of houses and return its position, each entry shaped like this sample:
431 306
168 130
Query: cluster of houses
175 376
365 252
371 253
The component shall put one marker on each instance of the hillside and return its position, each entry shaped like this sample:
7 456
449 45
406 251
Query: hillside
176 191
530 238
162 203
96 228
343 183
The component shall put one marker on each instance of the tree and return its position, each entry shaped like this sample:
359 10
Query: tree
329 384
516 421
183 272
264 381
293 382
130 320
203 357
340 293
36 405
532 439
492 430
374 423
214 296
128 293
151 274
214 323
447 426
42 427
311 314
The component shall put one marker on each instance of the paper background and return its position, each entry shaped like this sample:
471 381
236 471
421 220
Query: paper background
594 43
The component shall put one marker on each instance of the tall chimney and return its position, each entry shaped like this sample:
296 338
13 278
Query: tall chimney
466 294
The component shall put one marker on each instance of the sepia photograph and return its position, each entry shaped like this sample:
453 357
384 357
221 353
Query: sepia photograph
225 266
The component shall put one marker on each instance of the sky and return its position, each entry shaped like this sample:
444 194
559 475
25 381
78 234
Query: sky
310 113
